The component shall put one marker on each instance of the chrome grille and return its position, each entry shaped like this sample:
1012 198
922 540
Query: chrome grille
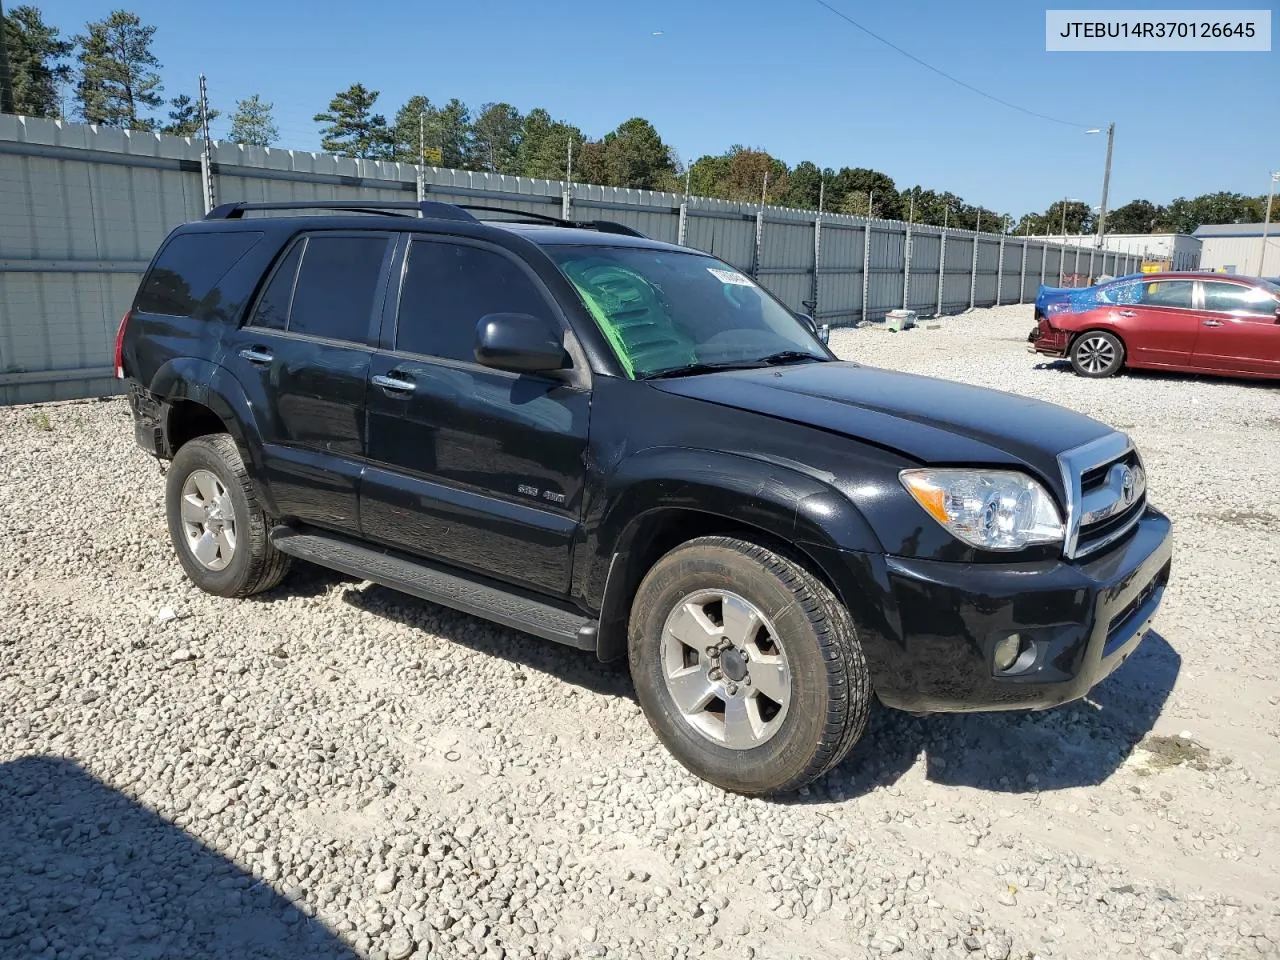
1106 493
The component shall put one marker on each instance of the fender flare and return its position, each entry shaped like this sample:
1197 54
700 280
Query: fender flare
778 499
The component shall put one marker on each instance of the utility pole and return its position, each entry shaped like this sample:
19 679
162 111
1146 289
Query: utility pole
822 192
764 190
1106 184
1266 224
422 156
6 77
688 180
206 155
568 171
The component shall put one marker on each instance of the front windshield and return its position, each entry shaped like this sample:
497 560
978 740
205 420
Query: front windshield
665 311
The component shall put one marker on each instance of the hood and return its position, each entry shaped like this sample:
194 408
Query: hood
933 421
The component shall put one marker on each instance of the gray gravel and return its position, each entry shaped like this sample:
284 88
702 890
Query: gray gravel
336 770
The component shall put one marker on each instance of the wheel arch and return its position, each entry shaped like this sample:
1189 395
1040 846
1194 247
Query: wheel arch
778 508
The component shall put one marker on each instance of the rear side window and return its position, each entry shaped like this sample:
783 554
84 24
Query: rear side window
448 288
337 286
273 309
1167 293
185 275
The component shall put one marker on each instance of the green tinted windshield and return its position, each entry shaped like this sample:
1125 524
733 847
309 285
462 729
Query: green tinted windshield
662 310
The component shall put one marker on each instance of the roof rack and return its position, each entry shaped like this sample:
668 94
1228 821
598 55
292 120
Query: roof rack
524 216
423 208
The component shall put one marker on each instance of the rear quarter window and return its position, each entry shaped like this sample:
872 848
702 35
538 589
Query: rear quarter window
183 281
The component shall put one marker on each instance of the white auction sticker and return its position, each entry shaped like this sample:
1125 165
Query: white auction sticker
728 276
1156 31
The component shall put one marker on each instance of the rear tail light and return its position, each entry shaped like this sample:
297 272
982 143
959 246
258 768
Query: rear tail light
119 358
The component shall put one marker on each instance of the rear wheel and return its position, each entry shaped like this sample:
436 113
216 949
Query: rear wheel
218 530
747 666
1097 354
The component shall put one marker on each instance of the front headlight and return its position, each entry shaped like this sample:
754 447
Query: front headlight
989 509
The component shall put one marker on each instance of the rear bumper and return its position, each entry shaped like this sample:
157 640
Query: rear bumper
932 646
1044 339
148 420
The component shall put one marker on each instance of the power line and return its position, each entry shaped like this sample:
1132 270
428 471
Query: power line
942 73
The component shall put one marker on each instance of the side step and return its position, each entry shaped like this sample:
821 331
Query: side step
469 593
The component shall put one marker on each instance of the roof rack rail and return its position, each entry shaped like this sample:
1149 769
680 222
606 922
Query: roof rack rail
524 216
423 208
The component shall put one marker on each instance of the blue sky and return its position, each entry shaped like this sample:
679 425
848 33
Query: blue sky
791 78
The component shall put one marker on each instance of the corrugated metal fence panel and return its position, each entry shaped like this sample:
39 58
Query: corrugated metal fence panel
988 261
729 238
786 261
1031 280
923 293
955 285
887 258
1011 273
840 275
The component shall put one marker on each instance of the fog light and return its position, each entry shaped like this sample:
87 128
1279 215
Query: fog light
1007 651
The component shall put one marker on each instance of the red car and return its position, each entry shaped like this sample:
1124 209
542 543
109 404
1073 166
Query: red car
1193 322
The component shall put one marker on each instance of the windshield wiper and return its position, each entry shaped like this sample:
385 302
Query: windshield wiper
692 369
788 356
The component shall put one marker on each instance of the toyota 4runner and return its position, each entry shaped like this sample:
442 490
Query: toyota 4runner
632 448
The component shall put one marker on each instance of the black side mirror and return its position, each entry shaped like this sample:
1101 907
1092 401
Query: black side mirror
520 342
823 332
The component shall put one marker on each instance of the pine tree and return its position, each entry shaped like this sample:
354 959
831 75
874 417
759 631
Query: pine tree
184 118
496 138
118 76
252 124
352 129
35 62
415 134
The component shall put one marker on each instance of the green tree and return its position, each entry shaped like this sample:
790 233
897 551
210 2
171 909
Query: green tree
495 138
252 123
635 156
804 186
184 117
414 133
453 135
862 191
1185 215
36 55
709 176
352 129
118 78
544 146
1136 216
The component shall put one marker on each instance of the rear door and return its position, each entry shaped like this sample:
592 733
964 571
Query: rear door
1238 329
478 467
1156 320
303 359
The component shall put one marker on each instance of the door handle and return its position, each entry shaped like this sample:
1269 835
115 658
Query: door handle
394 383
1128 313
256 355
1213 323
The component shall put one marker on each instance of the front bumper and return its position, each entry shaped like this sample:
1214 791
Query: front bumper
931 646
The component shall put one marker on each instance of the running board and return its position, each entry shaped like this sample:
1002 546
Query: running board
472 594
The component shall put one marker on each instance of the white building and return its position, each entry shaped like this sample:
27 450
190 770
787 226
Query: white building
1181 251
1237 248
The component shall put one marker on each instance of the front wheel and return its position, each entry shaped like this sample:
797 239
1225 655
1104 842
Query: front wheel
1097 354
747 666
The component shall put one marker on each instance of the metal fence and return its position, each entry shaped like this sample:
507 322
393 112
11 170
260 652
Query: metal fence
82 209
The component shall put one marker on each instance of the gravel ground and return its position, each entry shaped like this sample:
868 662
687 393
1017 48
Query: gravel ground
333 770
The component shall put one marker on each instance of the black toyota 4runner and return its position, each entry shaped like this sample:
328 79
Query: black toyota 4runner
632 448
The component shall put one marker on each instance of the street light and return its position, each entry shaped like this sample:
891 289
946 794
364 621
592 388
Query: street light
1106 180
1266 223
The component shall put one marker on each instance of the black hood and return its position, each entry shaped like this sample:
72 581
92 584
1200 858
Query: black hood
929 420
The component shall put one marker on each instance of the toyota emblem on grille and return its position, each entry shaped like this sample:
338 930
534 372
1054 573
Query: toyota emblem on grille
1128 485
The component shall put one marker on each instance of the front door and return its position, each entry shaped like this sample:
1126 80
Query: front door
1239 332
303 360
477 467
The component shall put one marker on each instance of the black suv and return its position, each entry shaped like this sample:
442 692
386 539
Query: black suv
632 448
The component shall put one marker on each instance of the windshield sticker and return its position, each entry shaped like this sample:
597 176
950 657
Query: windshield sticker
729 276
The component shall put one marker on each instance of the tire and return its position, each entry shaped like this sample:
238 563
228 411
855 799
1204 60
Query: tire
1097 353
209 471
807 651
